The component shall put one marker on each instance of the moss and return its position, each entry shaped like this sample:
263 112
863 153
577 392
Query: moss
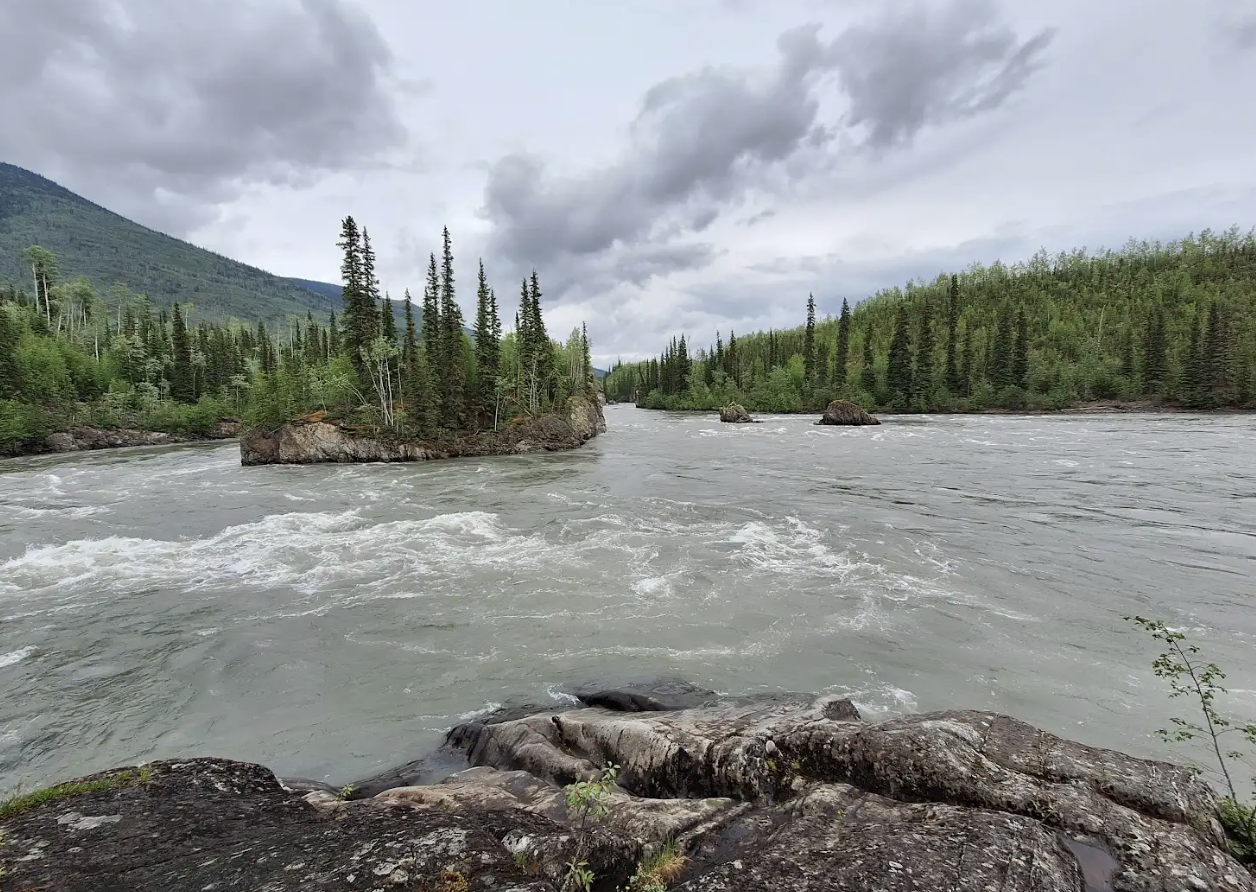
19 803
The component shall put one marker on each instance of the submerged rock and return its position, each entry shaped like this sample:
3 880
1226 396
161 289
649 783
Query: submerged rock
736 414
846 412
315 439
770 794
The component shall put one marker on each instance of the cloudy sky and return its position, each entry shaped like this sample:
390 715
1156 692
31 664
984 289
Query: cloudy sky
666 165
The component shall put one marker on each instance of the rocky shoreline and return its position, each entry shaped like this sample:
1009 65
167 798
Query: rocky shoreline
743 795
84 439
316 439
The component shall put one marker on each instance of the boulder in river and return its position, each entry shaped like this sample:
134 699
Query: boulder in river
736 414
846 412
317 439
755 795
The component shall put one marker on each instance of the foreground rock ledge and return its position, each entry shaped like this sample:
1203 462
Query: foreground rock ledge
777 795
314 440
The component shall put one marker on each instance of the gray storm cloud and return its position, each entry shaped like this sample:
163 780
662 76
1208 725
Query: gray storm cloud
701 141
170 107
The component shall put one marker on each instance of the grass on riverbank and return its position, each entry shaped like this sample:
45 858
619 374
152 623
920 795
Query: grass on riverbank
20 802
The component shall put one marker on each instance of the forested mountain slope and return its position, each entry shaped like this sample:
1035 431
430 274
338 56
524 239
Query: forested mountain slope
94 242
1171 324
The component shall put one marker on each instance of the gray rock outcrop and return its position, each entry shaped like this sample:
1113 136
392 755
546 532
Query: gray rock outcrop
780 793
83 439
315 439
735 414
847 413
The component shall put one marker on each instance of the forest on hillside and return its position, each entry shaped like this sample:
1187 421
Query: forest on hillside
106 248
1168 324
72 357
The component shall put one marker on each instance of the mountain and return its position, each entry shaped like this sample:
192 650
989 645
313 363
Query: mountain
107 248
92 241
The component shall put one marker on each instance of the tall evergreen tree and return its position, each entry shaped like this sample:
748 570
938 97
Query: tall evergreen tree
843 346
487 341
182 387
387 322
590 377
333 337
868 374
899 372
999 369
809 343
1214 354
452 370
360 314
953 378
1020 353
1155 352
922 381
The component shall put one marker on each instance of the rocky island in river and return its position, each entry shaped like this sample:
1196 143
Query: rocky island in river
317 439
700 793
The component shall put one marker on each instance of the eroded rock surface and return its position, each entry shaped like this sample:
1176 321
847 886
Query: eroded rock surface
735 414
83 439
847 413
317 440
775 793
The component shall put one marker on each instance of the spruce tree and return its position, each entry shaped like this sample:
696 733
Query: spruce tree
590 377
182 387
868 374
387 322
487 342
416 383
953 377
966 351
922 381
333 337
1020 353
999 365
899 372
843 346
809 343
1213 358
360 317
1155 353
543 349
452 371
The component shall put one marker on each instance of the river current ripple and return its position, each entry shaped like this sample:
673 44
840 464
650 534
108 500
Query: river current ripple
331 621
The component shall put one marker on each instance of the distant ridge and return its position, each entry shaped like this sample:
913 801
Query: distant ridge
92 241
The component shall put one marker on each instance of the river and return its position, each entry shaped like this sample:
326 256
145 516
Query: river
331 621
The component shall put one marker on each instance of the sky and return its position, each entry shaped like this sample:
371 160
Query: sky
666 166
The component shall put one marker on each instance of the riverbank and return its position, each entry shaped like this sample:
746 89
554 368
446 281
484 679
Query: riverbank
707 794
86 439
317 440
1096 407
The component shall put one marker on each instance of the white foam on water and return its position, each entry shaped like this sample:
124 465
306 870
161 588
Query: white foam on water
312 552
877 701
487 708
796 549
561 696
14 657
653 586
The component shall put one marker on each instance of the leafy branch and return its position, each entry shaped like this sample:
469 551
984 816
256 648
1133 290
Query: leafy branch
1189 675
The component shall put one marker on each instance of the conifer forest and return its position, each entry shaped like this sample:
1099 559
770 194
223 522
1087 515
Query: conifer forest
70 356
1170 325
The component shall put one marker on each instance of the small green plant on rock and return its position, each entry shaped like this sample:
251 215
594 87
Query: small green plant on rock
345 792
657 872
590 801
1189 675
20 802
